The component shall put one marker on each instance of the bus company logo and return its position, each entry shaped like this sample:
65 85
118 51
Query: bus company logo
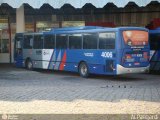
89 54
107 54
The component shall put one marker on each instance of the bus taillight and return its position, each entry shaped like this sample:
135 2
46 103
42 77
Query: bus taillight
145 55
128 56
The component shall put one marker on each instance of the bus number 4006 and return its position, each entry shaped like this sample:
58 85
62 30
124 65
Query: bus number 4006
107 54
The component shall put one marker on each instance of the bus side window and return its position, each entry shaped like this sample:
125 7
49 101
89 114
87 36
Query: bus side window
28 41
90 40
75 41
107 40
61 41
38 42
49 41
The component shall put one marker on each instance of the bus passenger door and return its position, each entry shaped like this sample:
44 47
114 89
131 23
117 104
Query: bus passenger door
110 64
18 59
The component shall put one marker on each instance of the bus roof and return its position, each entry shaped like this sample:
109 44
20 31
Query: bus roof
88 29
91 29
77 28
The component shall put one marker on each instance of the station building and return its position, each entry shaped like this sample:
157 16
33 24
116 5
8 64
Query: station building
39 15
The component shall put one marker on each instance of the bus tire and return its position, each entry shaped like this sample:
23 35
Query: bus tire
83 70
29 64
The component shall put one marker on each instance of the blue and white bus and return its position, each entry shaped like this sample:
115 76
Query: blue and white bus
87 50
154 40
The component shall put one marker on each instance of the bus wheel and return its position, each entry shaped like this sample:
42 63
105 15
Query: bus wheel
29 65
83 70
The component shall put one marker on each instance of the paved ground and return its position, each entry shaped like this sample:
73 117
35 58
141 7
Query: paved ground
23 91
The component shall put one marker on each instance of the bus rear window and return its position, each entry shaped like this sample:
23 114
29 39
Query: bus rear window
135 37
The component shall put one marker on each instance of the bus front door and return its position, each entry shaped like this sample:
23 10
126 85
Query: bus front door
18 53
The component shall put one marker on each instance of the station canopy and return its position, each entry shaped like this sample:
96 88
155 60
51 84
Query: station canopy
74 3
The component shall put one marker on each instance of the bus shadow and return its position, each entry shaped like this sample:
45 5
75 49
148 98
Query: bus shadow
122 78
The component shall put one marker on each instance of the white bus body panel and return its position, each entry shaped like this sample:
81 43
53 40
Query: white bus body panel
39 57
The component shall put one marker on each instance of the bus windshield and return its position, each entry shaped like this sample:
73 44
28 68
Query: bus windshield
135 37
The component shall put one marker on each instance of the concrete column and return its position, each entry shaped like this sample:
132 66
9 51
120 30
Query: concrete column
20 19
